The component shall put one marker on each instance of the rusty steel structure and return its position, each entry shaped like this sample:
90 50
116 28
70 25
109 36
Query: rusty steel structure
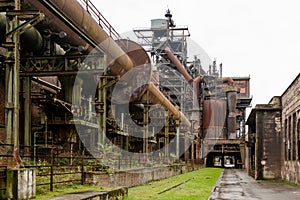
215 105
62 63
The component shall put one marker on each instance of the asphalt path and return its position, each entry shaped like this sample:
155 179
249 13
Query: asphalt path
235 184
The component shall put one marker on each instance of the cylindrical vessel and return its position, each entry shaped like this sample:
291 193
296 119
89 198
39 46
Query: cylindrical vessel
31 39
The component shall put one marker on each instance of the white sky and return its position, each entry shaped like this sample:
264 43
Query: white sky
260 38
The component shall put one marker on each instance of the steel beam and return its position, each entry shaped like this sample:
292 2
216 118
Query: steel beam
14 28
68 64
177 139
101 109
12 64
146 127
166 141
27 112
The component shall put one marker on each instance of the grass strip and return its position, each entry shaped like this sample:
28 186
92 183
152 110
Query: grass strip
174 186
199 186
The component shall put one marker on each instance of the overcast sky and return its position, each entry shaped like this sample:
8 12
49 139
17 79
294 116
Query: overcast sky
260 38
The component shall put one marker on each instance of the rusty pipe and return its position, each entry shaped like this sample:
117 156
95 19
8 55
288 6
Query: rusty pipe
227 80
196 82
83 20
167 104
43 82
198 79
179 66
72 11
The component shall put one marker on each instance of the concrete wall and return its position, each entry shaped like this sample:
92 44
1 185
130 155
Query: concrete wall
291 171
272 142
135 177
20 184
268 141
264 140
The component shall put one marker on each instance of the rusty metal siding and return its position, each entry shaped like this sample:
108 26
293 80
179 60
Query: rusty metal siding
214 112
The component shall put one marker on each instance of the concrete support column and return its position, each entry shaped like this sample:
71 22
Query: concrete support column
20 184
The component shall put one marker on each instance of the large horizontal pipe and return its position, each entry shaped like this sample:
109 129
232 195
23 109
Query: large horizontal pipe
167 104
179 66
72 11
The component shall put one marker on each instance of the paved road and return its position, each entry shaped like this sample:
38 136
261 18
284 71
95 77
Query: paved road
235 184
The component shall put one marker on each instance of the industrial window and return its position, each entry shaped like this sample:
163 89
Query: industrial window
289 139
118 141
286 140
298 131
294 136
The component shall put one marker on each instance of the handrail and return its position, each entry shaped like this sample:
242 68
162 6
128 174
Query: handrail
100 19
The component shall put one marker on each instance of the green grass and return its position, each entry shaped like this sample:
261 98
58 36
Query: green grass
65 189
199 186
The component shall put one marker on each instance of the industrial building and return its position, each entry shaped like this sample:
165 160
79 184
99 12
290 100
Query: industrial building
273 137
69 83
